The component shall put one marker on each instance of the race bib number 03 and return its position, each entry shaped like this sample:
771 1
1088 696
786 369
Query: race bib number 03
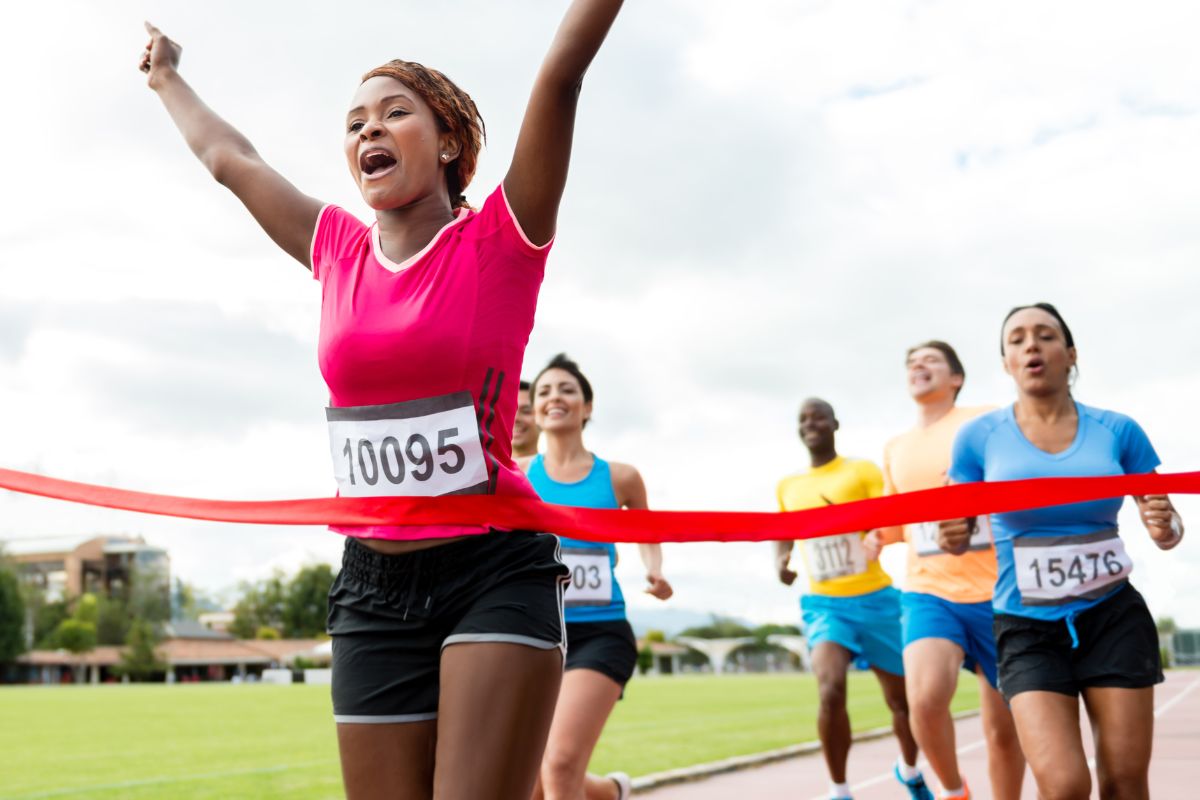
1054 570
591 579
924 536
419 448
835 557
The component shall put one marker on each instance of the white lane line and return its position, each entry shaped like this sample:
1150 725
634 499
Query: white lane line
168 779
888 776
967 748
1167 706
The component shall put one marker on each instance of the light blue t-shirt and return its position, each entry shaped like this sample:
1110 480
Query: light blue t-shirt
992 448
594 491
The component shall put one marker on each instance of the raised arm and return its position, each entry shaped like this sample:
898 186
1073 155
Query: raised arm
535 180
284 212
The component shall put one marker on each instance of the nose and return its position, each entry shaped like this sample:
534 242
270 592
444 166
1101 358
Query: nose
372 130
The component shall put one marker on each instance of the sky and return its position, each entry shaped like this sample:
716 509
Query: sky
768 200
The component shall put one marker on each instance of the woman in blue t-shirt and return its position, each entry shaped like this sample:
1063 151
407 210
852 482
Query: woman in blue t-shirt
1067 621
601 649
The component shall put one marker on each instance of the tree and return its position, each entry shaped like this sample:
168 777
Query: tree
139 660
1165 624
645 659
261 605
267 632
12 615
78 638
306 603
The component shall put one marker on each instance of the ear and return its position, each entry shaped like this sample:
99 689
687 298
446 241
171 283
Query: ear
1004 363
587 411
1072 355
836 425
957 381
449 145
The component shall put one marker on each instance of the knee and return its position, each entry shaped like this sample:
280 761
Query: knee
832 694
1123 785
1064 785
924 709
562 772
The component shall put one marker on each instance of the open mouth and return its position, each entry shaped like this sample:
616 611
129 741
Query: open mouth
376 162
1035 365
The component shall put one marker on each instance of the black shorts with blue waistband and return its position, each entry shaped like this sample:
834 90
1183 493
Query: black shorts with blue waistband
390 616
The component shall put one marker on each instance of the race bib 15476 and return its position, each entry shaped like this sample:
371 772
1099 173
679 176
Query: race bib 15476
424 448
1053 570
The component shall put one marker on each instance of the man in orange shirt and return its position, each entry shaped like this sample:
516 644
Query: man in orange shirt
947 601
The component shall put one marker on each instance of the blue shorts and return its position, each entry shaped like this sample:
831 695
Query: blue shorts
968 625
868 625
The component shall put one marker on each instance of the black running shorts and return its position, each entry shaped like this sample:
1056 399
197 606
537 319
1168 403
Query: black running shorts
1118 647
391 615
607 647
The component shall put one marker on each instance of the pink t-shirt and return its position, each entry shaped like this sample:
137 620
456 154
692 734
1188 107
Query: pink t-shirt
453 318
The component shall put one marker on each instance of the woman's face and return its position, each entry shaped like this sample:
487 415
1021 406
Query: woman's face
558 403
1036 353
393 145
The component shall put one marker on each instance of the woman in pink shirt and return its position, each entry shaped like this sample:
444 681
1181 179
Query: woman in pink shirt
448 644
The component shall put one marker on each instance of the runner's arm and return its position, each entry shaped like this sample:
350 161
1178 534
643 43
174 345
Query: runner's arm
286 214
630 490
538 173
1162 521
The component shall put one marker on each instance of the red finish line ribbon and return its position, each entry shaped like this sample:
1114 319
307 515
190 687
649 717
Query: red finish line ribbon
615 525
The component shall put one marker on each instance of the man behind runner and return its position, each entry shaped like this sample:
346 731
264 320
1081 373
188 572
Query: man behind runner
947 602
850 612
525 429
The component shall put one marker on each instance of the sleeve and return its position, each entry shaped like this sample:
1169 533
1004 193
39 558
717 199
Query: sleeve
1137 454
871 478
966 456
779 495
336 233
506 243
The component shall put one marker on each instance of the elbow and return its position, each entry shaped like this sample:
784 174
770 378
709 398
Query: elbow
225 164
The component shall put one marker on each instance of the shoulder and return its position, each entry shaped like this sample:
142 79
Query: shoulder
983 425
336 234
1115 421
496 223
624 476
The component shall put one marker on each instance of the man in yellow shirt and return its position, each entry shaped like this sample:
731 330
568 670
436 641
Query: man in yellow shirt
947 602
850 612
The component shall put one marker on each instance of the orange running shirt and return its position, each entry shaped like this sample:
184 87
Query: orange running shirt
918 460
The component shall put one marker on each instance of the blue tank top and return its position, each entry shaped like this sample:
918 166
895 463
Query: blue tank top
593 594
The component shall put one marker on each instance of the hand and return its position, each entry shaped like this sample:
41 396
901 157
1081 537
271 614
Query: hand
787 576
954 535
873 544
658 586
1161 520
160 56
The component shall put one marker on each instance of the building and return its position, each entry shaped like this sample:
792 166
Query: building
190 651
104 565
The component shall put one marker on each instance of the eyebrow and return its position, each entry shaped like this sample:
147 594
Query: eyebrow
382 101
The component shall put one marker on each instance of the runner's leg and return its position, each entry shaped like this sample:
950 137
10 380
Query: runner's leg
494 713
387 760
1048 727
897 701
830 663
1123 728
1006 762
931 668
584 704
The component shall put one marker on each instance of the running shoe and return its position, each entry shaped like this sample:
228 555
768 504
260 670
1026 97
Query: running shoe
624 784
917 789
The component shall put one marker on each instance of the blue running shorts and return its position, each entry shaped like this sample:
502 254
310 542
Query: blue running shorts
968 625
868 625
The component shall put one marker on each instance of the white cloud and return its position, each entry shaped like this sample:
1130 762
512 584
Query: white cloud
768 201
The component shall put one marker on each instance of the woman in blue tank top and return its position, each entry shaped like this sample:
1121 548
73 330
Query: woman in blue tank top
601 649
1067 621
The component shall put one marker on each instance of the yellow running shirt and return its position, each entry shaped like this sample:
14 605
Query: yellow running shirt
918 460
837 566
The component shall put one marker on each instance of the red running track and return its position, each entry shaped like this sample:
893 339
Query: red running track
1174 772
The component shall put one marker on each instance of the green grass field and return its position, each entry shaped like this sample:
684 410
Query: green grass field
250 741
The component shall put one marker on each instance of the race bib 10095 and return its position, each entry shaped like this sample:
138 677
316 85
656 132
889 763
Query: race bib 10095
1053 570
591 578
835 556
422 448
924 536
